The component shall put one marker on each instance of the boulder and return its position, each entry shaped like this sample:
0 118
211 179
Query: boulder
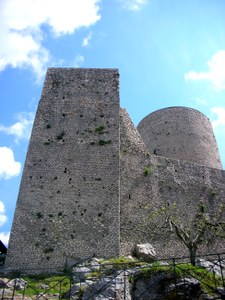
145 252
159 286
17 283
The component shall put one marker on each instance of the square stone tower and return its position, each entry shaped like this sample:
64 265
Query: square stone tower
68 204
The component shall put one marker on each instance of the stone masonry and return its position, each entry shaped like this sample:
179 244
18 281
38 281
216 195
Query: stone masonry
181 133
68 205
169 182
84 191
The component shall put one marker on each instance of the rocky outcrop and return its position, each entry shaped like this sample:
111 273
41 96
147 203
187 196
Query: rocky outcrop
159 286
130 279
135 280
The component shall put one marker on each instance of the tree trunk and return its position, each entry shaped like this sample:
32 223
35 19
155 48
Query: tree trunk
192 251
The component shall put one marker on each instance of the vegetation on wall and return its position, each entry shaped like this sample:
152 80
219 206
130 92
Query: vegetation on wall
147 170
104 142
61 135
100 129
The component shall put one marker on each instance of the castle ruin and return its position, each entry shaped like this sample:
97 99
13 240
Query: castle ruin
84 191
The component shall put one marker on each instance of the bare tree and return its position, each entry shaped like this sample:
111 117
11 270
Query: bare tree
205 226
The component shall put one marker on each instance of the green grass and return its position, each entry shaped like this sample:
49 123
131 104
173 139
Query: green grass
57 284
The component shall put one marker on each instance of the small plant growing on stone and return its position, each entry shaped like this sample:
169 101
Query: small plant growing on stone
147 171
48 250
61 135
39 215
47 142
56 83
99 129
48 126
103 142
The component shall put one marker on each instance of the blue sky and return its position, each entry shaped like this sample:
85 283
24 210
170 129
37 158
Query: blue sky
169 53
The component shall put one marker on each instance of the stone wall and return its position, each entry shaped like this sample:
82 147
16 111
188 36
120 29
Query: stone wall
68 204
149 183
181 133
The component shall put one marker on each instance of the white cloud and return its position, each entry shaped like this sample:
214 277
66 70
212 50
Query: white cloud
218 119
4 237
22 128
215 74
8 166
3 217
86 40
2 207
21 28
133 5
79 59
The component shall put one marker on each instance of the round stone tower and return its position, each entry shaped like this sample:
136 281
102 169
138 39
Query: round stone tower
181 133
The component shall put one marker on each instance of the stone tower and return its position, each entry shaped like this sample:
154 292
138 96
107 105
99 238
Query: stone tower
90 187
181 133
68 204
